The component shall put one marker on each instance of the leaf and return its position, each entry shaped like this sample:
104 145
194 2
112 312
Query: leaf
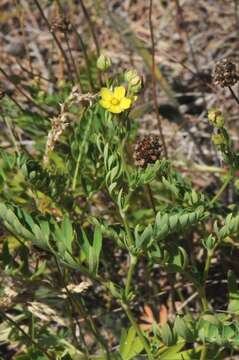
144 237
97 242
85 243
130 344
167 335
172 353
231 226
182 329
92 260
233 305
67 232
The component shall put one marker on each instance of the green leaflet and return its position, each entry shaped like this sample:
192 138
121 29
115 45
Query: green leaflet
167 223
130 345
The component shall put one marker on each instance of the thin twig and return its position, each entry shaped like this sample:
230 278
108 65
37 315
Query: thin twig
65 32
72 60
15 102
152 199
33 74
154 81
32 341
189 43
71 302
93 33
91 26
28 97
233 94
86 57
56 39
82 48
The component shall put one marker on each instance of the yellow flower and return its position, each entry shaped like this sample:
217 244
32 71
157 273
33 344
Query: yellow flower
114 101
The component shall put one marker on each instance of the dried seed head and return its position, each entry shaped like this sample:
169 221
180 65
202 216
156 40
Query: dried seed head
60 24
60 122
147 150
225 73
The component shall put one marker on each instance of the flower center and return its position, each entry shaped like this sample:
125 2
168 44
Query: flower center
114 101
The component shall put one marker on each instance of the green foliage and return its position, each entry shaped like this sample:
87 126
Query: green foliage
77 213
130 345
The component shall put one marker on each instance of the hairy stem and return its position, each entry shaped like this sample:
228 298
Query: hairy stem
203 355
128 231
133 262
81 152
221 190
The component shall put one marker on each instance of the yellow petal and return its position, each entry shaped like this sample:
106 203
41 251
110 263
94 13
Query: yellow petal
105 103
106 94
125 103
119 92
116 109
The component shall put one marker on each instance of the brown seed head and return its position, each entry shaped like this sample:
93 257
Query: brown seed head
147 150
60 24
225 73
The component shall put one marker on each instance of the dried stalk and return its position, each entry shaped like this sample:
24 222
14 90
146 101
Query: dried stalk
154 81
56 39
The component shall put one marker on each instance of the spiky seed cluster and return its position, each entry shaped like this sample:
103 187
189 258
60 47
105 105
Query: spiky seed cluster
225 73
147 150
60 24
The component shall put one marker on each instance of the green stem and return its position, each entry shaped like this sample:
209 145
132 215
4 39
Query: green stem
207 264
152 199
221 190
128 231
203 355
81 151
202 295
133 262
202 290
139 332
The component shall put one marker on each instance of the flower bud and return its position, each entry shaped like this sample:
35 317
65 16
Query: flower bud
218 139
103 62
216 118
134 80
130 74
